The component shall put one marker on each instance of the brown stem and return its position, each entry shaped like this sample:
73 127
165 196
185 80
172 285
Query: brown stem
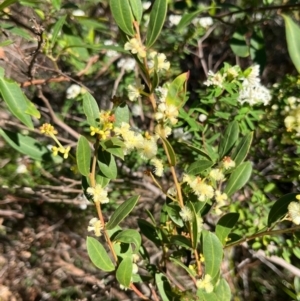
140 294
263 233
56 120
251 9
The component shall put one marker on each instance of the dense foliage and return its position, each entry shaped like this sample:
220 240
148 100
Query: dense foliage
196 100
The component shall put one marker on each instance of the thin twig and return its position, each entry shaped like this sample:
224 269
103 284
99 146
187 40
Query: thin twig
49 229
54 118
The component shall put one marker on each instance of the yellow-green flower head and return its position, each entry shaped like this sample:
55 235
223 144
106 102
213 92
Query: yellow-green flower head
55 150
205 284
134 91
96 226
228 163
62 150
65 151
148 149
217 174
186 214
48 129
163 130
158 166
136 47
98 193
94 130
294 212
162 63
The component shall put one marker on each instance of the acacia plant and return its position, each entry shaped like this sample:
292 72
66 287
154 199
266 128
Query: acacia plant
205 174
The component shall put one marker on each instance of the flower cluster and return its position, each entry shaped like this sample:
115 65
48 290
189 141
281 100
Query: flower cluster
98 193
127 64
166 114
145 145
96 226
208 188
294 211
251 91
228 163
73 91
186 214
214 79
199 186
63 150
158 61
205 283
292 120
204 22
136 47
49 130
174 19
105 126
134 91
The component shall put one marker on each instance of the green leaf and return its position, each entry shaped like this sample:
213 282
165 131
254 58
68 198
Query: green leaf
173 212
83 156
6 43
31 109
15 100
210 151
238 178
98 255
177 90
114 146
258 48
213 253
137 9
181 241
204 296
122 14
238 43
121 115
7 3
241 151
91 109
122 211
156 22
187 19
56 4
197 167
225 225
155 80
195 230
57 28
196 149
26 145
124 271
280 207
292 31
170 150
229 138
16 30
222 291
149 231
223 115
163 286
107 164
176 261
130 236
103 181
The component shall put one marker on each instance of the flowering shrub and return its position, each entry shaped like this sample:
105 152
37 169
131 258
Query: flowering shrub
201 147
